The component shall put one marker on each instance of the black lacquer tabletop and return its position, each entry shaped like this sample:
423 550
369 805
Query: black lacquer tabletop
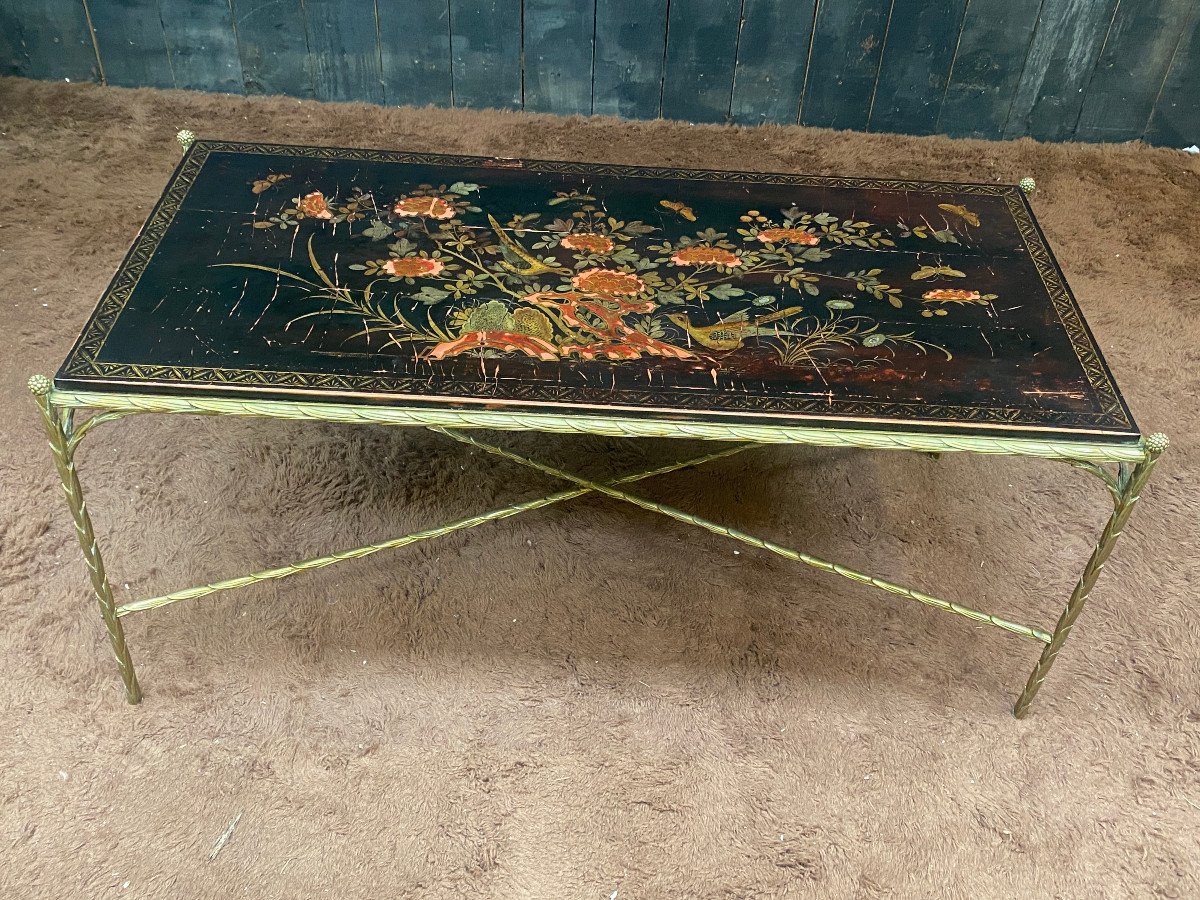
372 277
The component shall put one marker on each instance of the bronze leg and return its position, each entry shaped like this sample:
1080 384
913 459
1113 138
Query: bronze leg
1130 485
58 431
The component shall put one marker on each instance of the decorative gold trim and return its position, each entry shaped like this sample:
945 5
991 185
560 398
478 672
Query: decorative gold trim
507 420
566 167
385 390
1067 309
400 389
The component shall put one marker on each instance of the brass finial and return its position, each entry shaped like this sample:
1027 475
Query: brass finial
186 138
1027 184
1157 442
40 385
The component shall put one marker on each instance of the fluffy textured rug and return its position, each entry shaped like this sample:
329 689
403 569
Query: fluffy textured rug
587 701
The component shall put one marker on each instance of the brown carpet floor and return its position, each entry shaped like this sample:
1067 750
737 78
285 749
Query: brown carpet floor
588 701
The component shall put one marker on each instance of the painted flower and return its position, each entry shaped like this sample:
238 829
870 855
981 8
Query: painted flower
424 208
314 206
608 282
588 241
788 236
706 256
952 295
413 266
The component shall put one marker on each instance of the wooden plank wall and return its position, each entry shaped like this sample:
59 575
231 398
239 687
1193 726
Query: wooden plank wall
1092 70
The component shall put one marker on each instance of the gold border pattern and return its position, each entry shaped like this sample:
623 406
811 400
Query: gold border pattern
1075 449
83 363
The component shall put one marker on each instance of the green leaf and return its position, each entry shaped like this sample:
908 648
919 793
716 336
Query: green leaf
763 300
316 267
810 289
378 230
431 295
462 188
273 271
725 292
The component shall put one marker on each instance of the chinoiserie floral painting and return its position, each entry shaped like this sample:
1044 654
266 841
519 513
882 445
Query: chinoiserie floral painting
562 278
547 283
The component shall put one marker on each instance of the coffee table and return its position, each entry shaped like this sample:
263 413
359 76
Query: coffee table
462 294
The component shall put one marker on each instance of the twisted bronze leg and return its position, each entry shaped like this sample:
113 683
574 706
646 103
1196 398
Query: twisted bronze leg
57 431
1130 489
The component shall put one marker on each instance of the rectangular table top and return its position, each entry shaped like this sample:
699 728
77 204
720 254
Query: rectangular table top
375 277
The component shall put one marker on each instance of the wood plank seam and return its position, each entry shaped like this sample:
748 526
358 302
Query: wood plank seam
237 46
1024 62
1096 64
662 88
95 44
737 49
812 36
887 29
1166 74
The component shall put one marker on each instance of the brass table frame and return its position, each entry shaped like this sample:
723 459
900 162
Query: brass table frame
1133 465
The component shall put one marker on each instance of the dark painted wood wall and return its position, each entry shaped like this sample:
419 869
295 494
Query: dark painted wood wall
1092 70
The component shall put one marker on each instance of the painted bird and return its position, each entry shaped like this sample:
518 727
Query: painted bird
732 332
533 265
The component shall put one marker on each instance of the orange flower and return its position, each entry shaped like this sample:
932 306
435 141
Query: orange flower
589 241
706 256
952 294
608 282
424 207
788 236
413 266
314 206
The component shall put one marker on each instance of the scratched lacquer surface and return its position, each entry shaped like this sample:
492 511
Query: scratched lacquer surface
376 277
